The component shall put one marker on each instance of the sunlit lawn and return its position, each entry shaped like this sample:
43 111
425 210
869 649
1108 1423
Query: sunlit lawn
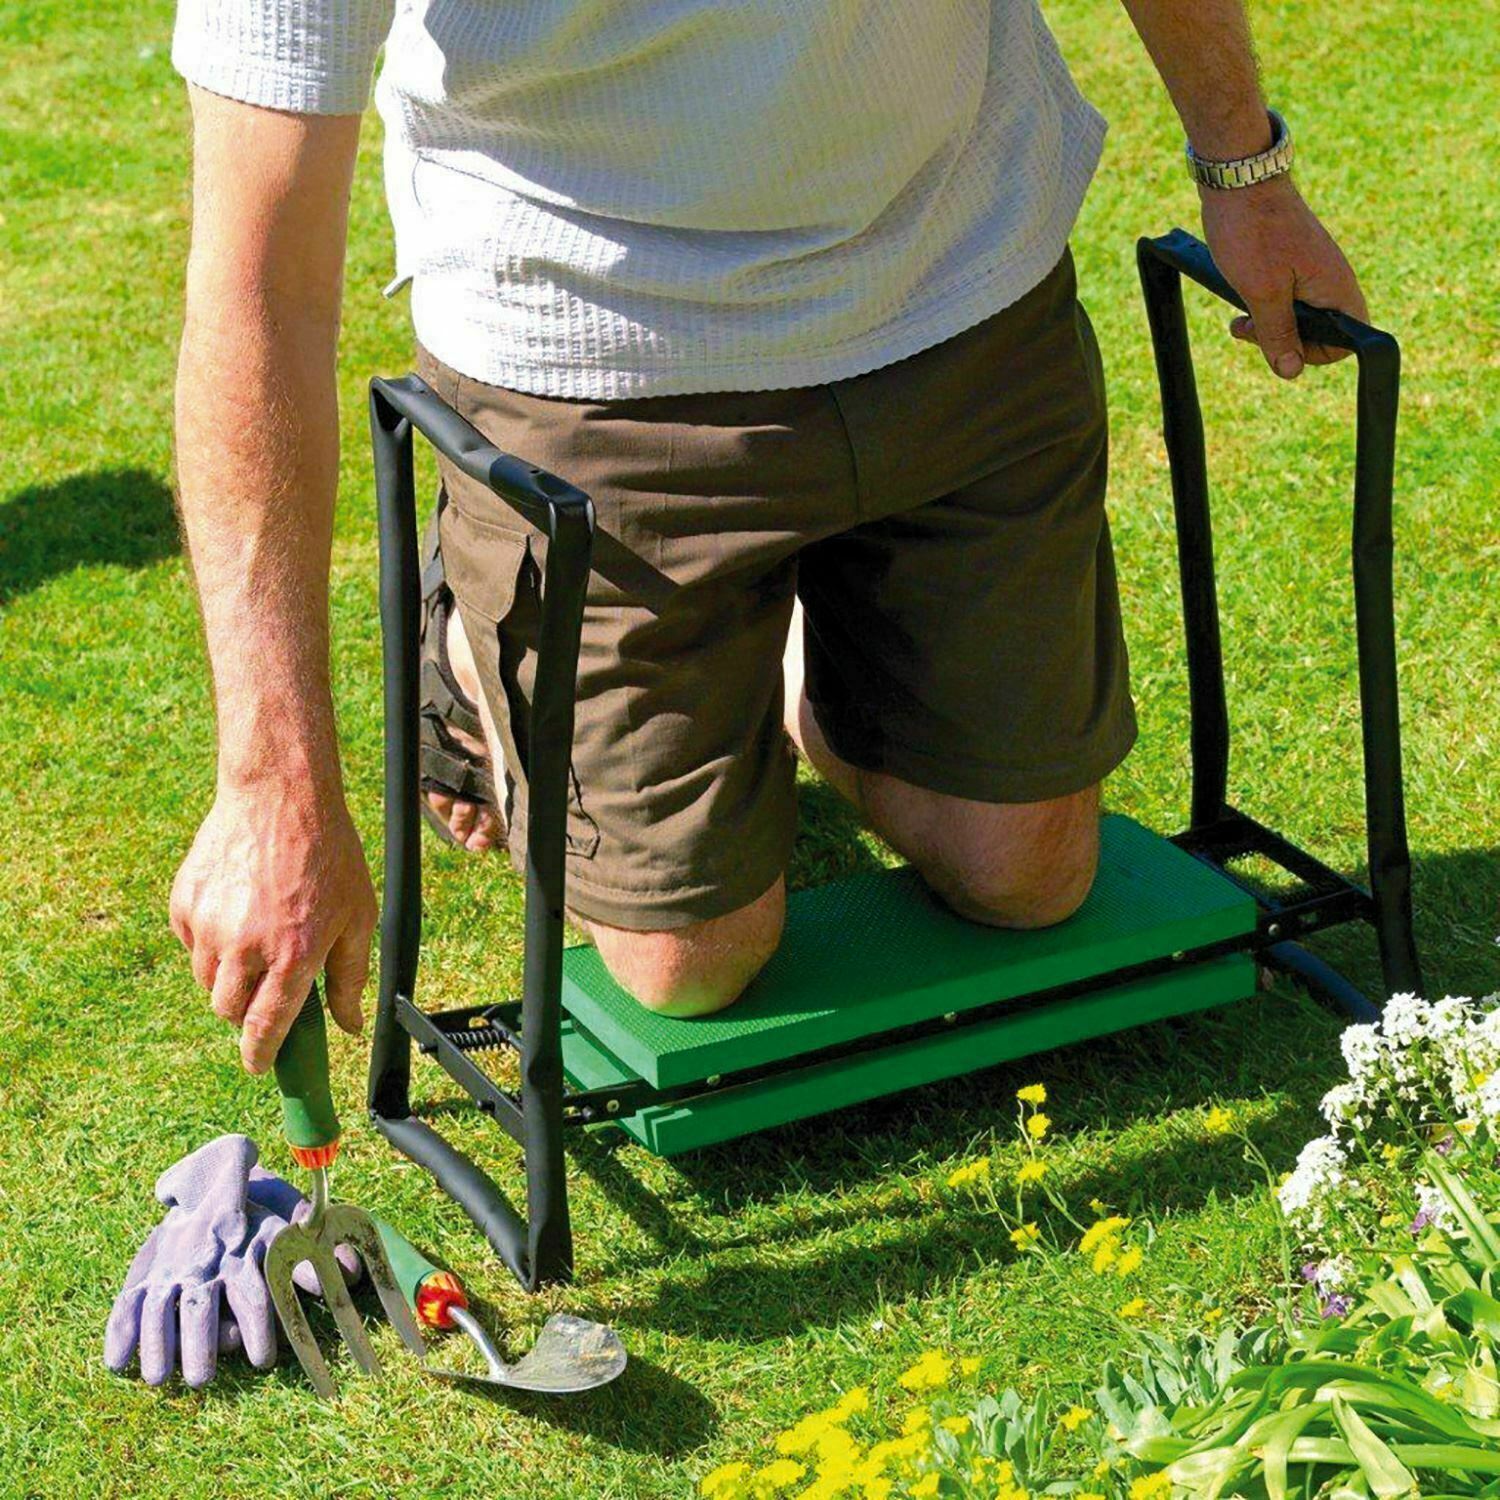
753 1281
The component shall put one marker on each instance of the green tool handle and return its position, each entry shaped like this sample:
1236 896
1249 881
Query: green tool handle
430 1291
307 1113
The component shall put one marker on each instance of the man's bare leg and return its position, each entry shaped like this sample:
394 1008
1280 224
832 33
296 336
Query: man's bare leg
476 828
1005 864
682 971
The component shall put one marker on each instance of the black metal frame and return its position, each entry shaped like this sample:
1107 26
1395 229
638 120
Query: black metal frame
1216 831
538 1247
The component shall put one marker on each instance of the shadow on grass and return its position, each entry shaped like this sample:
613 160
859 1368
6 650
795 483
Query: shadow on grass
923 1240
682 1418
123 517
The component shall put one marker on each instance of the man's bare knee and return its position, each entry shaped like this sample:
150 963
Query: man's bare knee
1005 900
699 969
1022 867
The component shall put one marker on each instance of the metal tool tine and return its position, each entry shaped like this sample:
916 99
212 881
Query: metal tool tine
354 1227
299 1334
338 1301
395 1305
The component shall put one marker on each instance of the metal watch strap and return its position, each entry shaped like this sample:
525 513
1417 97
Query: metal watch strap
1246 171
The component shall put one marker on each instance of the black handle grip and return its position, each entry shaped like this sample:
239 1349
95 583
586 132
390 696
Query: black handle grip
533 492
1316 325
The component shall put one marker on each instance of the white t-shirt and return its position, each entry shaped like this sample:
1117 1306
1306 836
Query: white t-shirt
611 198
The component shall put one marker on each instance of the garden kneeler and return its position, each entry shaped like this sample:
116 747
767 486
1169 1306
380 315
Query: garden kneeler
570 1354
312 1131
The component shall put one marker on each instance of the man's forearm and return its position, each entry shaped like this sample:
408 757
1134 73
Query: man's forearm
257 429
1203 52
257 439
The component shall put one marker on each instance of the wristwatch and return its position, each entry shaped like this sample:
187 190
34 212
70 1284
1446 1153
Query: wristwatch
1246 171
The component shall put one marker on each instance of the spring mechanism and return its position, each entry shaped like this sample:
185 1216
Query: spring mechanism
484 1038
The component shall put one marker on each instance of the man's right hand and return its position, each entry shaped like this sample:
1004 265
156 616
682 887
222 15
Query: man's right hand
274 892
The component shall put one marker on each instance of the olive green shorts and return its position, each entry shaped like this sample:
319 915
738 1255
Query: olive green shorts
942 521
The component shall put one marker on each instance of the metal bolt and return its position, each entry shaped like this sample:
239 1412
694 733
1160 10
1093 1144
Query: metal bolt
714 1080
1179 955
951 1017
612 1106
1274 930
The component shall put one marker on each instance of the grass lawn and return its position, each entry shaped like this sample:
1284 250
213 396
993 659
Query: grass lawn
752 1282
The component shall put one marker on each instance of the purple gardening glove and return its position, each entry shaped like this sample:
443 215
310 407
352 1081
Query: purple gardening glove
197 1287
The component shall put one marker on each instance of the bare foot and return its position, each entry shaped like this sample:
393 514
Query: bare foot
476 828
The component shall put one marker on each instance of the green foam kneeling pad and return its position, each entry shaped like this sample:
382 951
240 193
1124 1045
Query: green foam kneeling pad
873 952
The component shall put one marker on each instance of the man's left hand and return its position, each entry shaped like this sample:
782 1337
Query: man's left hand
1271 247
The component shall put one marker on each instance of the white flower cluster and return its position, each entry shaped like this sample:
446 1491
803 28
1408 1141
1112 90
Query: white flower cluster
1317 1185
1430 1058
1423 1061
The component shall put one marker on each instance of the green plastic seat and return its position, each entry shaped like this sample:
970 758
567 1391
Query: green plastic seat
873 952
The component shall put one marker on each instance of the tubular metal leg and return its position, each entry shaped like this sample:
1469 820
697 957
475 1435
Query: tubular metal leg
1162 263
538 1248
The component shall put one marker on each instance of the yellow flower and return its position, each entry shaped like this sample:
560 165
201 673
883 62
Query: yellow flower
1391 1153
851 1402
1074 1418
925 1488
918 1419
727 1482
892 1450
934 1369
974 1171
776 1475
1025 1237
824 1488
1150 1485
1037 1126
1218 1121
1101 1240
1129 1261
1102 1229
968 1365
1099 1207
1031 1171
878 1489
1033 1093
836 1450
956 1425
1102 1468
1088 1495
1134 1308
804 1436
1213 1315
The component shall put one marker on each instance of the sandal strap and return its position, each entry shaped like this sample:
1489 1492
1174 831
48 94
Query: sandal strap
446 765
444 700
456 774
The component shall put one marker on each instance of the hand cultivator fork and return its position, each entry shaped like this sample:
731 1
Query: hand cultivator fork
312 1132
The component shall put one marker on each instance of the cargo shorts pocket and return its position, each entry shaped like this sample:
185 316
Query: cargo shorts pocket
495 572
